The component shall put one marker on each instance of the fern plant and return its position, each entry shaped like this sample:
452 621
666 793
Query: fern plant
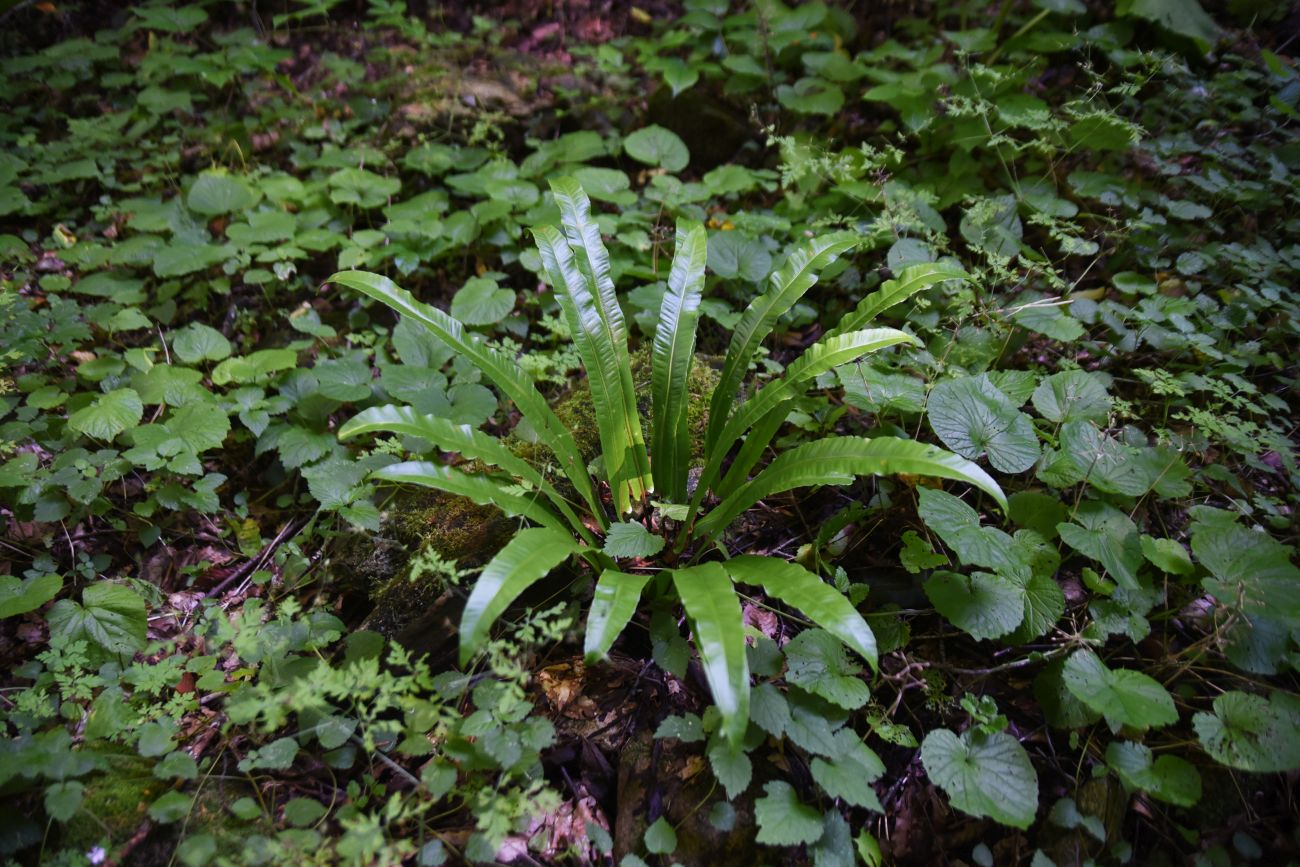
700 572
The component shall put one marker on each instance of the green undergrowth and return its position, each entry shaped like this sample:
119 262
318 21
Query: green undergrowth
224 642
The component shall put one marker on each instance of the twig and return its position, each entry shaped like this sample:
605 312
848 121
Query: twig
290 529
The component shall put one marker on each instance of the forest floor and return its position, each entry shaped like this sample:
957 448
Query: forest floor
231 635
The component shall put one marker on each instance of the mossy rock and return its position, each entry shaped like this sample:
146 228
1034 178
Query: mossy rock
116 803
454 528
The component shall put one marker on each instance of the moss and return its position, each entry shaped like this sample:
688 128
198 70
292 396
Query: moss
114 804
454 528
361 561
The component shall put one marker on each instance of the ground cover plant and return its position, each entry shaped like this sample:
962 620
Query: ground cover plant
804 434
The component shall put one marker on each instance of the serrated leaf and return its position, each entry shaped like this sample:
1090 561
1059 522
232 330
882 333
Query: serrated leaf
769 710
983 774
111 617
1249 733
849 773
813 722
918 555
1169 778
816 661
109 415
1125 697
1108 536
731 766
253 367
835 848
783 820
982 604
973 418
958 525
1044 602
630 539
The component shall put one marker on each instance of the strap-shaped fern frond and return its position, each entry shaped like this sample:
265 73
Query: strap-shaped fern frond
893 292
577 266
838 461
714 610
826 354
789 284
526 559
504 372
481 489
612 606
671 359
465 441
806 591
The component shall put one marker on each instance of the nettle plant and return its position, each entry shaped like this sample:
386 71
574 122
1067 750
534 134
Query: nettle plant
604 519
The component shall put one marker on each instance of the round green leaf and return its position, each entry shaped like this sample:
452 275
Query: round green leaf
62 800
109 415
1071 395
1123 696
216 193
973 417
811 96
1252 734
198 342
983 774
983 605
1168 778
656 146
783 820
660 838
481 302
